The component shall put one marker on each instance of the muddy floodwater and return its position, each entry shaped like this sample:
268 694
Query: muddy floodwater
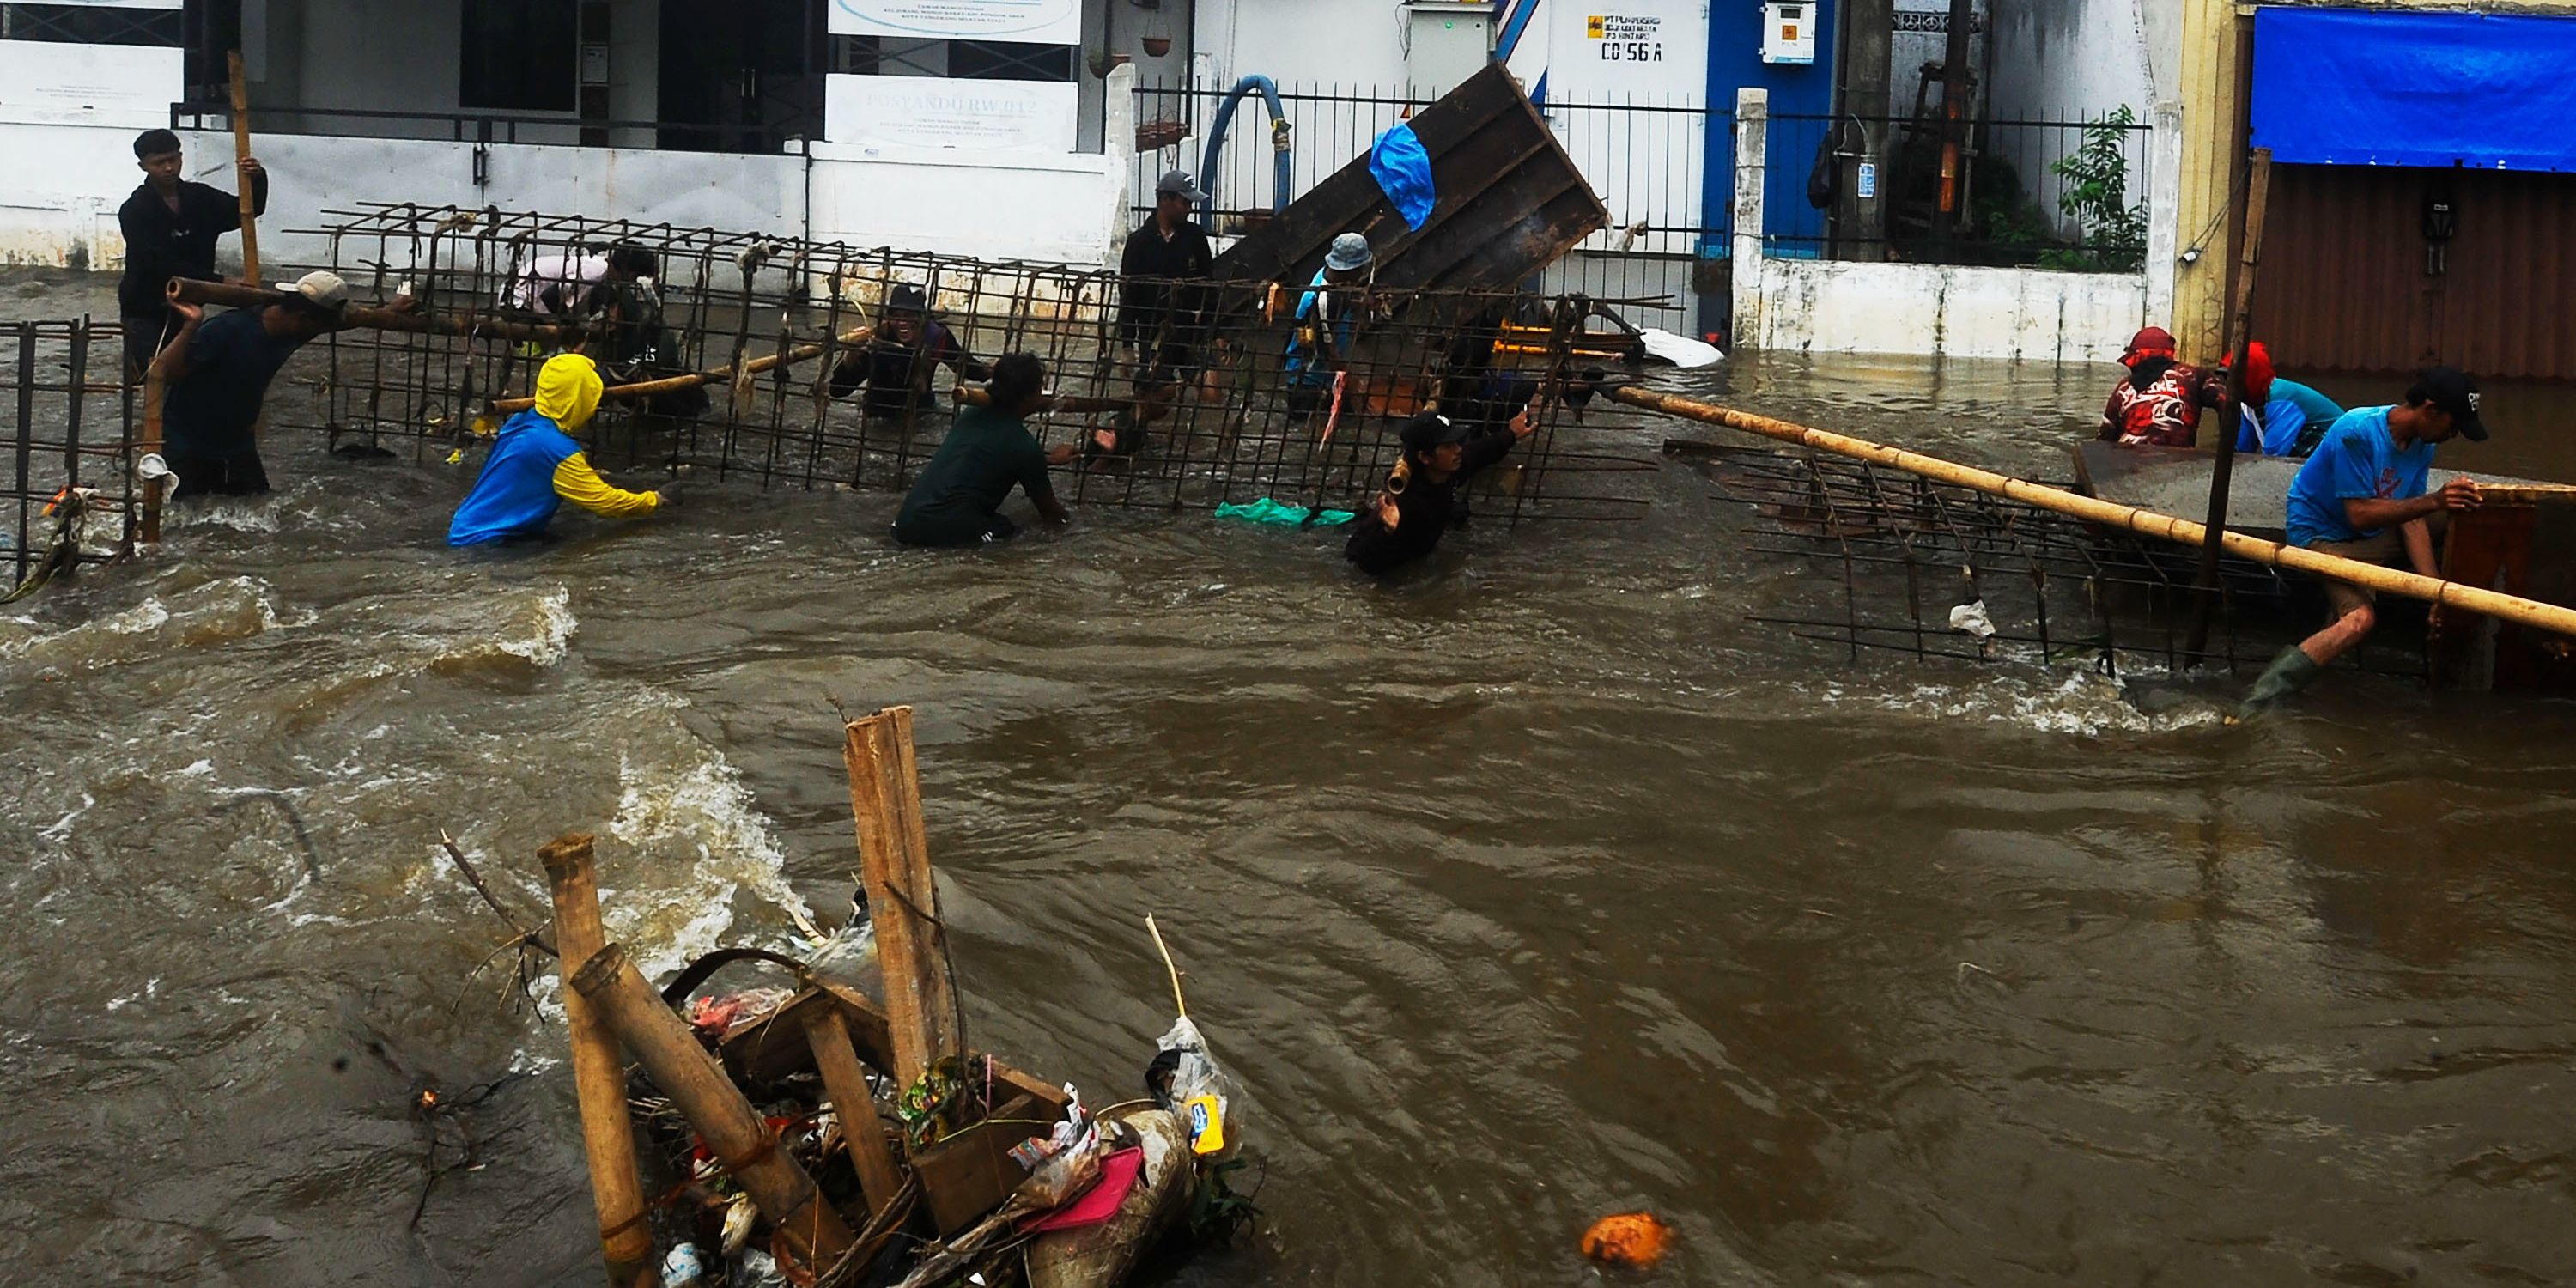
1534 888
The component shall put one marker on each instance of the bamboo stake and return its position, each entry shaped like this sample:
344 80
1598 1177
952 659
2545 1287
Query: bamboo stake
714 376
241 153
661 1042
188 290
156 386
828 1033
2147 523
2231 412
598 1075
903 898
1182 1007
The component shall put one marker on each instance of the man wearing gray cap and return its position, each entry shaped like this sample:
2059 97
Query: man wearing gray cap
1162 315
216 373
1327 316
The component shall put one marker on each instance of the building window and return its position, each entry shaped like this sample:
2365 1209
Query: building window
1009 60
521 56
82 24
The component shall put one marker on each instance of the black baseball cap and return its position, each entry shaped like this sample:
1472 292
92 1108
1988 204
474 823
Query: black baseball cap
2450 389
1430 429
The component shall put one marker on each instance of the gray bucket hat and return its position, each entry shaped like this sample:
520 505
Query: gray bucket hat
1350 253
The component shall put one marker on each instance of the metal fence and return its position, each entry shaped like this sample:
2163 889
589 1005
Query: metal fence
70 490
2067 195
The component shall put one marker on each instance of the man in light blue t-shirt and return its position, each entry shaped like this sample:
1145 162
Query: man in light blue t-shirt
2362 496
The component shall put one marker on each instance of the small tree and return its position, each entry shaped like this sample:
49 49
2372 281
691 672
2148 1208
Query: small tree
2097 198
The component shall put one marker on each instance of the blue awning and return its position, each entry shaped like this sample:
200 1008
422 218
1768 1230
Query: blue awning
2348 87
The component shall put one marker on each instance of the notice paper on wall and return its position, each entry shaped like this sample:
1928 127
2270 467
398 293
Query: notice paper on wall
934 112
1036 22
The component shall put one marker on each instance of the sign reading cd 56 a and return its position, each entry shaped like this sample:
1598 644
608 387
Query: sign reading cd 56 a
1626 38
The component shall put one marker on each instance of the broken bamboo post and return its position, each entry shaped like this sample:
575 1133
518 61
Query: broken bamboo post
2146 523
660 1041
2238 348
714 376
598 1075
903 897
837 1059
189 290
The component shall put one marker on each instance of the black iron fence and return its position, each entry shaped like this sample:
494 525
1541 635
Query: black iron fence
66 417
2069 195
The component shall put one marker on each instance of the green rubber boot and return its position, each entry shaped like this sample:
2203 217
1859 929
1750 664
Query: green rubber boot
2291 671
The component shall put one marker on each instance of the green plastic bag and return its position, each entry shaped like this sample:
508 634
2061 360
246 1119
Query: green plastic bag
1266 510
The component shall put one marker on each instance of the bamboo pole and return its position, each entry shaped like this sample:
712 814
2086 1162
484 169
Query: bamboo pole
2239 343
2147 523
188 290
713 376
241 153
661 1042
156 387
598 1075
903 898
837 1059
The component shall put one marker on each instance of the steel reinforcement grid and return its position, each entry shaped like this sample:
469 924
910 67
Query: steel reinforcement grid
69 415
1165 416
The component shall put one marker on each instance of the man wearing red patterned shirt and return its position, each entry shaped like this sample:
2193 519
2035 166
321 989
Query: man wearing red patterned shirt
2159 404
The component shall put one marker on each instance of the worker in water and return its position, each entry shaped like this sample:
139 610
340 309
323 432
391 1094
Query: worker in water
216 372
2159 404
1420 501
170 225
535 465
2282 417
2364 496
1163 311
957 501
898 363
579 286
1327 316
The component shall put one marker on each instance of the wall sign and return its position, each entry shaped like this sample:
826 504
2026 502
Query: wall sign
935 112
1037 22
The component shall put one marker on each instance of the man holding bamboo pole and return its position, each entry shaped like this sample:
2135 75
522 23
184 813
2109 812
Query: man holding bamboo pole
170 226
2364 495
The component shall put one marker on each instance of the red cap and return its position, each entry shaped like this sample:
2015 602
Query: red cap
2149 342
2258 374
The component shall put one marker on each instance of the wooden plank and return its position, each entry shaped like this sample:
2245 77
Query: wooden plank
903 898
827 1031
966 1176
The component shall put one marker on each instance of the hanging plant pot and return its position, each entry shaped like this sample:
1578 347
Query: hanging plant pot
1157 46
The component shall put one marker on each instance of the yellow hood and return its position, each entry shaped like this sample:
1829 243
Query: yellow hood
568 390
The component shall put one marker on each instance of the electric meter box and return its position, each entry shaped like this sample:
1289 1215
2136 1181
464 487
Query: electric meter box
1789 32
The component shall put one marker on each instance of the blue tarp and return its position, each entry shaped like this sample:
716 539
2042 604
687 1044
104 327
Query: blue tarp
1403 171
2347 87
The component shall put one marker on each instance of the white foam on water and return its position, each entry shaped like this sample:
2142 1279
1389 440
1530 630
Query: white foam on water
554 625
218 611
2082 703
702 810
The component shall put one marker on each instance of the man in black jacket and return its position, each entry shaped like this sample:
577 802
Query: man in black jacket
1162 311
1420 502
170 226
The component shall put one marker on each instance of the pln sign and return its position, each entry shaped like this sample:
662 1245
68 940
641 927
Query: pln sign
1036 22
1606 49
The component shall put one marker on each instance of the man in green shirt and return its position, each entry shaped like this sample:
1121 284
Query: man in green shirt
957 501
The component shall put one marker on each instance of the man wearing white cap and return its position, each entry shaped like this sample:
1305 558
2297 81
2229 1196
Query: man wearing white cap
216 374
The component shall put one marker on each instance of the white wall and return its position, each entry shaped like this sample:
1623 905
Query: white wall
1353 43
1055 209
2074 60
2024 315
67 124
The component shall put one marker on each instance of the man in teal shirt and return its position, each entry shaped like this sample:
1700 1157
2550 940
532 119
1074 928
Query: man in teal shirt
957 501
2363 496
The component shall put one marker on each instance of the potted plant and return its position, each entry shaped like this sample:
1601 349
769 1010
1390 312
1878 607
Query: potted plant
1157 46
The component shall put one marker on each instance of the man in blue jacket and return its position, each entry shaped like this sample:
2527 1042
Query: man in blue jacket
535 465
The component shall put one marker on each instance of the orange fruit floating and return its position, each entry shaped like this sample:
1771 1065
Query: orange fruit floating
1628 1240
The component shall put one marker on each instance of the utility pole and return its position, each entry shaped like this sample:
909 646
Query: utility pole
1868 40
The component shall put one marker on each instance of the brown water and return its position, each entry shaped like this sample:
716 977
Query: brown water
1535 888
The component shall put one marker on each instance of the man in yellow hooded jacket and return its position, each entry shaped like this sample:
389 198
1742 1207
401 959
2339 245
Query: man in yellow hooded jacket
535 465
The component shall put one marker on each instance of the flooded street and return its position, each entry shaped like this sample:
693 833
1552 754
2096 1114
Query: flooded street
1539 887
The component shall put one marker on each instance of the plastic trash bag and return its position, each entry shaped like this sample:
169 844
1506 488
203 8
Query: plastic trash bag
1186 1080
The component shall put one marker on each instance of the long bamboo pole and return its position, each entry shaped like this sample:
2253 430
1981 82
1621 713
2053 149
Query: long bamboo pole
598 1075
189 290
743 1143
241 179
2239 345
713 376
2147 523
